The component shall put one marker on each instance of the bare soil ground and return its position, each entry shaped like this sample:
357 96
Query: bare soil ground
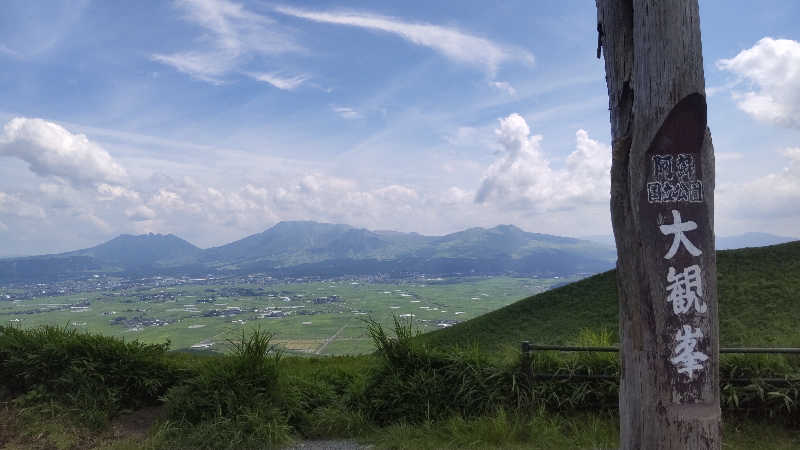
339 444
58 435
137 424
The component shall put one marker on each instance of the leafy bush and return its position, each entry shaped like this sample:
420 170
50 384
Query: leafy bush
95 375
324 401
416 384
235 401
249 428
254 397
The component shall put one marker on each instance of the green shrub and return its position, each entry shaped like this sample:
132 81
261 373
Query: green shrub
250 428
336 421
235 401
415 384
95 375
321 394
760 385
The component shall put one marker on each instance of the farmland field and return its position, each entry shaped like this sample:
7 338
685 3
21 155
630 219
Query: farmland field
313 317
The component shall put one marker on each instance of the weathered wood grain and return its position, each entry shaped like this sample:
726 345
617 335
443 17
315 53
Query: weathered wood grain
653 60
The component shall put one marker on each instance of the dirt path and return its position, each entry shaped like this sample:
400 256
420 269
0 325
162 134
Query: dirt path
330 339
340 444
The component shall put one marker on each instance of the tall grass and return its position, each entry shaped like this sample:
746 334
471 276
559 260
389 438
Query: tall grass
95 376
416 383
232 402
254 397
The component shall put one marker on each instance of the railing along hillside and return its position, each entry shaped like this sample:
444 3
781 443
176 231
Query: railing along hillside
527 349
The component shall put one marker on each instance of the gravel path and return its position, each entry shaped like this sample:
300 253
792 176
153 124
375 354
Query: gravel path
346 444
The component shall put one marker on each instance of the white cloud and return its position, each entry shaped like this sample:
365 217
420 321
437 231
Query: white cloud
51 150
503 86
728 156
793 153
772 67
96 222
108 192
4 50
522 179
58 195
772 196
450 42
235 35
13 205
454 195
462 136
280 82
347 113
714 90
207 66
140 213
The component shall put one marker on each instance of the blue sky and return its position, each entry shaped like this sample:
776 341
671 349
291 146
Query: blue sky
214 119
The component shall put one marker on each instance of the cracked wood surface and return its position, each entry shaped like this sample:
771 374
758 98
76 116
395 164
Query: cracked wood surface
653 60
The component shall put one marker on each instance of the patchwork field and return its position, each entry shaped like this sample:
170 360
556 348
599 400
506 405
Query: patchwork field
314 317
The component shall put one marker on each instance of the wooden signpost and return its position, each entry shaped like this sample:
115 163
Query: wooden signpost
662 208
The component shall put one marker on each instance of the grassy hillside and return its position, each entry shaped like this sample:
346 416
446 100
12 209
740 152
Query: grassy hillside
759 297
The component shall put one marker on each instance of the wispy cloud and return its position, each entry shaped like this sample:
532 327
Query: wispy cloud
773 196
450 42
4 50
347 113
280 82
728 156
207 66
234 36
504 86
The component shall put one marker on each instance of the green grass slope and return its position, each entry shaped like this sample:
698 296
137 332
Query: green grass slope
759 298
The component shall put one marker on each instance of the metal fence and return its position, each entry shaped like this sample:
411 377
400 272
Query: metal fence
527 348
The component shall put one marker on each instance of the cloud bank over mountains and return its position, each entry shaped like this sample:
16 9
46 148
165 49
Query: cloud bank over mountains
81 183
214 119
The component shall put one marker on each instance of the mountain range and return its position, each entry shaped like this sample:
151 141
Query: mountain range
303 248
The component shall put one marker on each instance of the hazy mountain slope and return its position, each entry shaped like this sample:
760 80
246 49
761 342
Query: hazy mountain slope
505 240
723 242
292 243
759 298
131 251
321 249
50 267
750 240
302 242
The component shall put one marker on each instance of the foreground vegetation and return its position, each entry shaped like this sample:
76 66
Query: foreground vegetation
67 389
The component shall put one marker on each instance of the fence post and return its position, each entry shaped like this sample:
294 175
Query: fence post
525 348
